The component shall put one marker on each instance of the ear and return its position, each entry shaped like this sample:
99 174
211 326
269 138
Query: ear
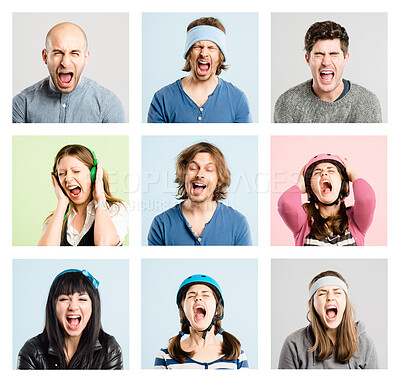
87 54
307 59
346 58
44 56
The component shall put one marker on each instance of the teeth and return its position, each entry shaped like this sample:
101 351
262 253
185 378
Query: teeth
73 316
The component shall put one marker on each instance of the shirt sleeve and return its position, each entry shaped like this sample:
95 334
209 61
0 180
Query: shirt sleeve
288 358
243 111
244 235
155 236
120 219
18 109
364 205
156 112
114 112
291 209
242 362
160 362
367 109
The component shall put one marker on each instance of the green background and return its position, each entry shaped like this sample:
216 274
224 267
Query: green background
32 162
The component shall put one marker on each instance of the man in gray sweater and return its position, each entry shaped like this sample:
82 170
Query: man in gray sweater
327 97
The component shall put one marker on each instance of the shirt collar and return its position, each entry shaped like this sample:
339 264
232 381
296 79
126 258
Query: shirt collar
76 90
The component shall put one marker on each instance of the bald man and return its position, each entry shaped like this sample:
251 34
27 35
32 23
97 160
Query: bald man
66 96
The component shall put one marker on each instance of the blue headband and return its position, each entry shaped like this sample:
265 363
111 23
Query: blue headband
95 282
206 33
325 281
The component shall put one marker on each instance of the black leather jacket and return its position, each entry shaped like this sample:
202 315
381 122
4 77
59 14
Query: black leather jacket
33 356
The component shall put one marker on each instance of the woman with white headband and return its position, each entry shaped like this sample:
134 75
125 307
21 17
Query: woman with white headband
326 220
333 340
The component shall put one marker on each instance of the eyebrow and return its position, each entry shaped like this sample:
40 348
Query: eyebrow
63 51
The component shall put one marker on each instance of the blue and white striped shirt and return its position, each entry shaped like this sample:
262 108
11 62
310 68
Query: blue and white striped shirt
164 361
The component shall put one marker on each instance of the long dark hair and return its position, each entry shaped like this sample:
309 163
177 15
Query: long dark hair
53 334
231 346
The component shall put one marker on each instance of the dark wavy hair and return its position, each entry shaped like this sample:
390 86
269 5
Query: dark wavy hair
211 21
187 155
326 30
53 334
231 346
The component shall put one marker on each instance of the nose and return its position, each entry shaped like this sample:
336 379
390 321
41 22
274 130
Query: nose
330 296
204 52
200 173
198 298
73 304
326 60
68 177
65 61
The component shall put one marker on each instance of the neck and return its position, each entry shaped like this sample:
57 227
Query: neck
329 96
327 211
332 335
202 208
193 83
196 341
80 209
71 344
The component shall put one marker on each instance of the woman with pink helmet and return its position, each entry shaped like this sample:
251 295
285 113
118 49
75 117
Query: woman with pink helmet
325 220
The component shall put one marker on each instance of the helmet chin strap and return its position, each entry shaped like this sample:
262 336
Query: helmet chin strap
337 201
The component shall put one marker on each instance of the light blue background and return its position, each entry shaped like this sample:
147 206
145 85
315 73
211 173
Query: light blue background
164 36
31 284
159 155
238 280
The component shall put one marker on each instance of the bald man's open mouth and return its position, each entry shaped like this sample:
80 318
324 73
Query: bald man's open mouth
65 78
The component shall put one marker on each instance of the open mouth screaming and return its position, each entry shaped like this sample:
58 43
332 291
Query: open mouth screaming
74 191
74 321
199 313
65 78
327 76
331 313
203 67
326 186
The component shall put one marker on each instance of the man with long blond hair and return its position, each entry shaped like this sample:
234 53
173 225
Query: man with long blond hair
203 177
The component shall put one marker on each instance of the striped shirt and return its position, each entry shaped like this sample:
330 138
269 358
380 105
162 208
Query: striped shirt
345 240
164 361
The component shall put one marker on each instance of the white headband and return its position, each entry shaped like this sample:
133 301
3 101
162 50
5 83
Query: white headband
325 281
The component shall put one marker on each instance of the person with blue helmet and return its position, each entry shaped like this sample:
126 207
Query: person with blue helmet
201 309
325 220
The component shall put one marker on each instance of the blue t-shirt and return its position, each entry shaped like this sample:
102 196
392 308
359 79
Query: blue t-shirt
226 227
89 102
227 104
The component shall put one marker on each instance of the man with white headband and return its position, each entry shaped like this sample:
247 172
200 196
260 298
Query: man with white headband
201 97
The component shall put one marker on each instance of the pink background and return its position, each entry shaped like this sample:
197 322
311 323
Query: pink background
366 154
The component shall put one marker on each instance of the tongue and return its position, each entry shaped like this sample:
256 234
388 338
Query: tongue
73 321
76 191
327 77
331 314
203 67
197 190
65 77
199 316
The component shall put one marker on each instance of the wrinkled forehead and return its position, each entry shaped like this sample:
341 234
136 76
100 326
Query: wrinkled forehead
327 46
324 166
68 161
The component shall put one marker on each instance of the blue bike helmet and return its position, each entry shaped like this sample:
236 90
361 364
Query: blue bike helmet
200 279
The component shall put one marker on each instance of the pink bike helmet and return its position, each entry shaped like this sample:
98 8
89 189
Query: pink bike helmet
344 189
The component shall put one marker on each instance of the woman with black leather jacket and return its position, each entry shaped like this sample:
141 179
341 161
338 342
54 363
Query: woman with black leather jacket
72 337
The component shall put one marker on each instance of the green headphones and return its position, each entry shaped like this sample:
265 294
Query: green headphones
93 170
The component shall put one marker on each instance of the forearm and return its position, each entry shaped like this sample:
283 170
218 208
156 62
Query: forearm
105 232
52 235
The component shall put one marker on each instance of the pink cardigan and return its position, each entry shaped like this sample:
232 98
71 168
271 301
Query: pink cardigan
360 215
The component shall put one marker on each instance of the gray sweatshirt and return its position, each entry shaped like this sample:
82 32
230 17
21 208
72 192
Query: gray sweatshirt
300 105
295 353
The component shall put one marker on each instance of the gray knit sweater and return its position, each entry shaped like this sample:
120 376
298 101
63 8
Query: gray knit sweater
295 353
300 105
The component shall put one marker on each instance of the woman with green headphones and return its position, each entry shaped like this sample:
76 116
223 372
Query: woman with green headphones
201 308
86 212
